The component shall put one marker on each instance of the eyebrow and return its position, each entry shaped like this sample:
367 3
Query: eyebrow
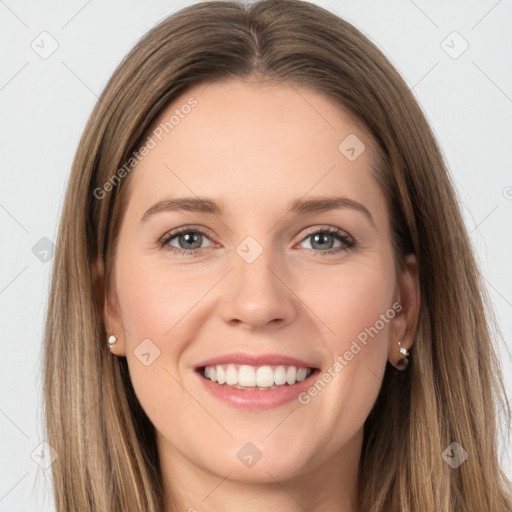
298 206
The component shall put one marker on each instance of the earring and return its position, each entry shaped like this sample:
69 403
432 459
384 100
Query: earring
111 340
403 363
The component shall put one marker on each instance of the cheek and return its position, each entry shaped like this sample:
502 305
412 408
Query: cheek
157 303
155 296
353 302
355 305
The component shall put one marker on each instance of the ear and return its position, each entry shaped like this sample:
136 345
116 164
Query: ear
403 326
111 315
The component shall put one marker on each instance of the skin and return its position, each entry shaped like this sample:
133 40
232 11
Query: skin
255 147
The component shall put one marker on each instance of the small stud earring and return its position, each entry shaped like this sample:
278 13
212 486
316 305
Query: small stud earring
111 340
403 363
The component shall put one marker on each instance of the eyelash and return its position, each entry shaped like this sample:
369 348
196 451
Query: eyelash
341 235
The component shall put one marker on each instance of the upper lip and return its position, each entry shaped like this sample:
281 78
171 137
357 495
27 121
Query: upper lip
255 360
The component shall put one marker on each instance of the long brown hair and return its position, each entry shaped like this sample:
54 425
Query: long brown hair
452 390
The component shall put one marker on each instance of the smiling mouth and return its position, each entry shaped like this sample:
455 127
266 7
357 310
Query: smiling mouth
251 378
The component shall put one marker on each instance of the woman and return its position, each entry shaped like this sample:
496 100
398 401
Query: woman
264 295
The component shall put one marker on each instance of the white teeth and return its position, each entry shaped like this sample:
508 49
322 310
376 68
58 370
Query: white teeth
291 374
231 375
264 377
221 375
302 373
280 375
261 377
246 376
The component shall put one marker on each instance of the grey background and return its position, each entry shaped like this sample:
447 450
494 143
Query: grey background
45 102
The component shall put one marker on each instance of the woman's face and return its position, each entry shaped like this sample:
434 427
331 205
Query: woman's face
263 286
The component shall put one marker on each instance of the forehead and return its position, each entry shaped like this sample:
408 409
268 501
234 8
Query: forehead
254 141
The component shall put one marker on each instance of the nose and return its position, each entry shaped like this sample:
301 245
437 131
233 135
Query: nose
258 294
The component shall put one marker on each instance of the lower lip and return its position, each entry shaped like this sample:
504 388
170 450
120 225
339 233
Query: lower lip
256 399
